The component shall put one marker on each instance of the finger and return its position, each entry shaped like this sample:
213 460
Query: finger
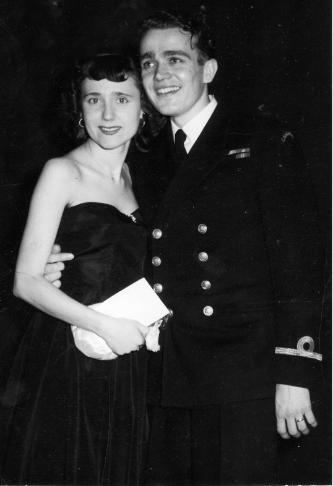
311 419
281 428
56 248
292 427
302 425
54 267
60 257
57 284
52 277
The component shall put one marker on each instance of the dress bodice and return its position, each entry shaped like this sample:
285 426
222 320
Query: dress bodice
109 249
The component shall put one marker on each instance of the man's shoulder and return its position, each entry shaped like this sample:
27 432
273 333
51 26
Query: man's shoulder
261 128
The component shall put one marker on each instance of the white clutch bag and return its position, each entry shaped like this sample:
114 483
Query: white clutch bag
137 301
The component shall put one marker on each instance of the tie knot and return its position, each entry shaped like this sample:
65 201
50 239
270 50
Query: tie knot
180 138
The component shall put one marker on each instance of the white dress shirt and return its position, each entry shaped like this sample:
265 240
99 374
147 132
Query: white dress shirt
194 127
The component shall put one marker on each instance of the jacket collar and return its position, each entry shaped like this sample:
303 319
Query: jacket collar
207 153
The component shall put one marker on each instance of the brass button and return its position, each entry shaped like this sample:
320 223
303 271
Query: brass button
170 313
206 285
158 288
157 233
156 261
203 256
202 228
208 310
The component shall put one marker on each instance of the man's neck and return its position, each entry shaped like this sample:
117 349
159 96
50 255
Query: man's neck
184 118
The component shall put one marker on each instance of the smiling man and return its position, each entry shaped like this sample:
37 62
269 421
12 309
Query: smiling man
236 258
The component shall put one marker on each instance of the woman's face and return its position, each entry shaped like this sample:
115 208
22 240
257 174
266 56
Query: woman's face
111 111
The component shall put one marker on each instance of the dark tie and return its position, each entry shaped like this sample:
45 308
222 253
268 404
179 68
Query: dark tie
180 138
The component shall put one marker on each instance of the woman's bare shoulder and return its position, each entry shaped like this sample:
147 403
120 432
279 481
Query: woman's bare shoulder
65 166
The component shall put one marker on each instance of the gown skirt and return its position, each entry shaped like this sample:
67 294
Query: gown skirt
73 419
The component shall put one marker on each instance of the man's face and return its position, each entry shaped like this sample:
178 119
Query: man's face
172 76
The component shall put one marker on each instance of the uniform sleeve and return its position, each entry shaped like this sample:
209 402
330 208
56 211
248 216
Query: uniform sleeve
295 252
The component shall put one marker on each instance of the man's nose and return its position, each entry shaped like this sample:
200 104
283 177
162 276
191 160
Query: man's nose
162 71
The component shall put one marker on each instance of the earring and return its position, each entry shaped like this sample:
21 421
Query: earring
143 120
81 123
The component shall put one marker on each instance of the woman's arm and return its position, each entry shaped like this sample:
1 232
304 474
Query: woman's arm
53 192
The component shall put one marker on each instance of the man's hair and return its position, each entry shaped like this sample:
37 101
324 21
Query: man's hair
195 24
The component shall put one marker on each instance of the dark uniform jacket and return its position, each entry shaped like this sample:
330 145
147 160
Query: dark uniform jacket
236 255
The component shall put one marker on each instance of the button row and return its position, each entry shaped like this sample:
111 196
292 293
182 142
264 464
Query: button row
202 257
157 232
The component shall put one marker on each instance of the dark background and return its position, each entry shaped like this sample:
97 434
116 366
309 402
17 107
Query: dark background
273 54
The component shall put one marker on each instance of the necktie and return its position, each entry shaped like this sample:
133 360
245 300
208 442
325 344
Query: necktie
180 138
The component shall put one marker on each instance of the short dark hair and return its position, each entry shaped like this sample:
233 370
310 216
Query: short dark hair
66 108
114 67
194 24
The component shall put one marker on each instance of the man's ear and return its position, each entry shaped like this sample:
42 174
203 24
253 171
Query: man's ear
210 69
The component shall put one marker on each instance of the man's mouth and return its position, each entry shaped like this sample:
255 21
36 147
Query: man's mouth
167 90
109 130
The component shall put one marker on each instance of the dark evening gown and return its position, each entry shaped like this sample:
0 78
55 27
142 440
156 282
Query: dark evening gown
77 420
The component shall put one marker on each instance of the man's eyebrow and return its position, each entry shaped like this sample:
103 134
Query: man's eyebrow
150 54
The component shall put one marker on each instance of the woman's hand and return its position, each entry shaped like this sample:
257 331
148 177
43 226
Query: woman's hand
293 411
123 335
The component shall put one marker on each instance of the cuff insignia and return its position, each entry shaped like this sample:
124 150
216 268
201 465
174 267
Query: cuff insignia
300 350
240 153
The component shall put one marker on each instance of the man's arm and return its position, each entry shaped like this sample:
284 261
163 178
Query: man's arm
296 266
55 265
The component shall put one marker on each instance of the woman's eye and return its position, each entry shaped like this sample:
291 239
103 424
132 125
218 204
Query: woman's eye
122 100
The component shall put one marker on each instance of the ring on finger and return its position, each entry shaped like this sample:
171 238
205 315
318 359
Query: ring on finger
300 420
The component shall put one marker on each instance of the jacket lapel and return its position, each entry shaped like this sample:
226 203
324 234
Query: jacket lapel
208 152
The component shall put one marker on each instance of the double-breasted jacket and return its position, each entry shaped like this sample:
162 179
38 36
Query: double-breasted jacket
235 254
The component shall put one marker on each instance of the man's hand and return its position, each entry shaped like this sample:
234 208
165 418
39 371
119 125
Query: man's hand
293 411
55 265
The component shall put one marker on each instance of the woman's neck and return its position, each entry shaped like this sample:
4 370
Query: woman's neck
108 162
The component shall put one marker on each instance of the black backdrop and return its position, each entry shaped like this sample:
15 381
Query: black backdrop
272 53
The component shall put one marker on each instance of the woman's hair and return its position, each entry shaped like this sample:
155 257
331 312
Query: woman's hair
65 104
114 67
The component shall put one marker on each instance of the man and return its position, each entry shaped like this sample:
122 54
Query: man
236 258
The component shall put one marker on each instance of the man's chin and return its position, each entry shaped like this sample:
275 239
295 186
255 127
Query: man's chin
166 110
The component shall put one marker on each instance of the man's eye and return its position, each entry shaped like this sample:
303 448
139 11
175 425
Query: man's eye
93 101
146 65
122 100
175 60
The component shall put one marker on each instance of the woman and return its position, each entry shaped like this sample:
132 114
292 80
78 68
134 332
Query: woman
78 420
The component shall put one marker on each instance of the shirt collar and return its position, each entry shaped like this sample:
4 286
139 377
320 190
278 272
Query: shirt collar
194 127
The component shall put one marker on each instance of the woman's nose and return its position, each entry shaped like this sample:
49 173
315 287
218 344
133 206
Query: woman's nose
108 111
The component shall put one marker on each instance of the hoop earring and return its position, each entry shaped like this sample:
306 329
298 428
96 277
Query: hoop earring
143 121
81 123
